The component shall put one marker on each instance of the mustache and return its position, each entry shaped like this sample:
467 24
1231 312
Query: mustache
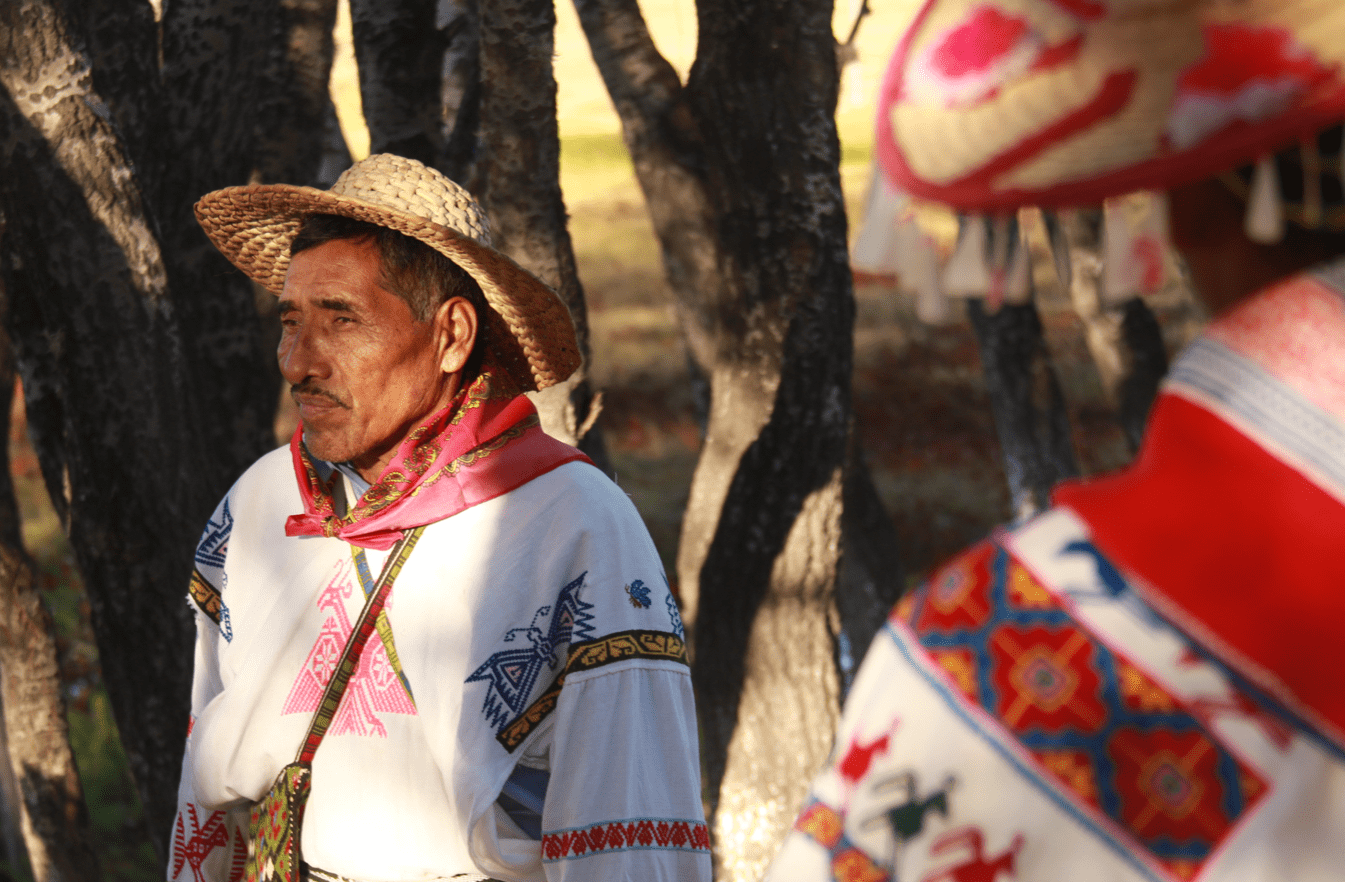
310 388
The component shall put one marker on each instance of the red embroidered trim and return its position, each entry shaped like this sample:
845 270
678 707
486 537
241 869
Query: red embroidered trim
622 835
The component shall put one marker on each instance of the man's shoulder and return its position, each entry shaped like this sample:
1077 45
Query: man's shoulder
577 483
271 471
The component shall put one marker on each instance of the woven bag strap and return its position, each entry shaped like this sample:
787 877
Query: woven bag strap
359 635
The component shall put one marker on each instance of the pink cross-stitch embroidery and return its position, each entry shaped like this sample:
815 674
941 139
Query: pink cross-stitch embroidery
373 689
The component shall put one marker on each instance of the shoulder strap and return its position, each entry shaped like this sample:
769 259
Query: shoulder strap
359 635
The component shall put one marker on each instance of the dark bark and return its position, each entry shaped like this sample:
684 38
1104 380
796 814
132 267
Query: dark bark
295 101
740 173
518 182
54 816
138 432
400 52
461 90
214 59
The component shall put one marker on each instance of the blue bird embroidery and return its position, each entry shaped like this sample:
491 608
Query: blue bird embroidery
639 594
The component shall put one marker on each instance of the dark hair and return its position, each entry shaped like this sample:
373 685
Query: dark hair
412 270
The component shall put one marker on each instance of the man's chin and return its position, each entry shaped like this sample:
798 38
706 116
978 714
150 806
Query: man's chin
327 448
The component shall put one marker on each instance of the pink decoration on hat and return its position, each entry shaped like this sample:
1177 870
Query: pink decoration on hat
1249 74
968 63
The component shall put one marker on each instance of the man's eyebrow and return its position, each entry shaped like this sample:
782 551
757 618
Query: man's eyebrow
335 304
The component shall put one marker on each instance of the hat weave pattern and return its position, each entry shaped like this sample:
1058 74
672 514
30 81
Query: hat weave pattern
527 328
992 104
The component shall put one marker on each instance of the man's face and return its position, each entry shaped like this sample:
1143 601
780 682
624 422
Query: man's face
363 371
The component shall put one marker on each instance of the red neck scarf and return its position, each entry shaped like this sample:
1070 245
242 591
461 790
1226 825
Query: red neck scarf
482 445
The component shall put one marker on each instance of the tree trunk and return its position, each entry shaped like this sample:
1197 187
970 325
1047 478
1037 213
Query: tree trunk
400 52
740 173
108 353
54 818
518 182
296 102
215 56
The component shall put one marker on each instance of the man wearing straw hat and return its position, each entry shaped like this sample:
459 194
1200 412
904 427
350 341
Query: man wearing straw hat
522 707
1142 683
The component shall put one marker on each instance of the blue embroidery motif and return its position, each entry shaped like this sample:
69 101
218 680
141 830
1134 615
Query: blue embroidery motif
512 673
674 613
214 544
639 594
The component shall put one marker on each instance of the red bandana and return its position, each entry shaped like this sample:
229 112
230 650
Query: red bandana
481 446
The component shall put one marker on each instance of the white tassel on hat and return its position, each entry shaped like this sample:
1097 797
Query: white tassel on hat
1120 281
1265 208
931 306
967 273
878 247
1133 255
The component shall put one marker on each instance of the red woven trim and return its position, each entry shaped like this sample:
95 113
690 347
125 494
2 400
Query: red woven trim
624 836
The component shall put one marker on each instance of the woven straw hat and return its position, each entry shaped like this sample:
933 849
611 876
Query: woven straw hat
992 104
528 329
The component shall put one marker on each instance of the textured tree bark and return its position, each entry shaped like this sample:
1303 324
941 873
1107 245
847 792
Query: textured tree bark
740 173
118 371
214 60
518 182
420 80
54 817
400 52
296 102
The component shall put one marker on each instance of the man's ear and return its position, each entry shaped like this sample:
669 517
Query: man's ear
455 326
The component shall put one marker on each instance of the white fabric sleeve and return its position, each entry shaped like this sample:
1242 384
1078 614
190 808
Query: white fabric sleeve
207 844
624 799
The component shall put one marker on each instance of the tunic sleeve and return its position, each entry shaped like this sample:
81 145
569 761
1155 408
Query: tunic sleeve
208 844
624 800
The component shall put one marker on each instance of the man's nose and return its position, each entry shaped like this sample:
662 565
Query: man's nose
301 356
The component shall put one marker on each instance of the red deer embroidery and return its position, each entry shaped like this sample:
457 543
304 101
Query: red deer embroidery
978 868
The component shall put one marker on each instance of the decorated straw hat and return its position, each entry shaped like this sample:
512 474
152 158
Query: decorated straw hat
527 329
992 104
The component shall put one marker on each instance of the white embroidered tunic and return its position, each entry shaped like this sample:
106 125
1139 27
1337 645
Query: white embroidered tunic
534 631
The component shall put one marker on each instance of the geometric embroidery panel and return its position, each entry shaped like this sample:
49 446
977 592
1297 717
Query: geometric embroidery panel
213 546
375 687
511 673
849 863
587 656
1095 723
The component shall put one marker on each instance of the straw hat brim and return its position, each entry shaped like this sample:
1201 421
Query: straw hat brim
1080 108
528 329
